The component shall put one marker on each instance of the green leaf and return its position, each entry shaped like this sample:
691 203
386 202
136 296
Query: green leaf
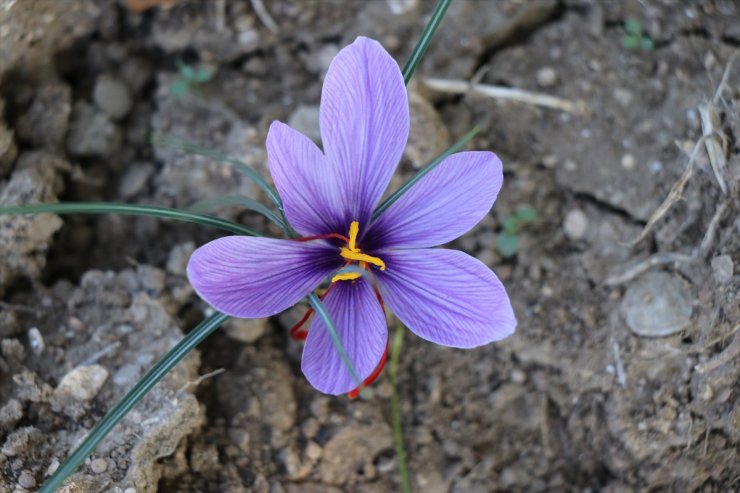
423 171
507 244
211 205
630 42
132 397
179 88
203 75
186 146
526 214
510 225
633 27
426 37
647 44
321 311
186 71
129 210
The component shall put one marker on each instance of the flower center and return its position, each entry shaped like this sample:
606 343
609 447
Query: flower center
353 254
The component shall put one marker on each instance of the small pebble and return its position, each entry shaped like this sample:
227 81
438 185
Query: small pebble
36 341
547 77
314 451
99 466
722 268
518 376
656 305
628 162
135 179
550 161
575 225
570 165
112 96
26 480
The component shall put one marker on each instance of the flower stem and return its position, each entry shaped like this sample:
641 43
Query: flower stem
130 210
426 38
115 415
403 470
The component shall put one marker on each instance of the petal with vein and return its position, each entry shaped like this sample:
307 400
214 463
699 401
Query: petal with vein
446 297
364 118
443 205
305 180
361 326
258 277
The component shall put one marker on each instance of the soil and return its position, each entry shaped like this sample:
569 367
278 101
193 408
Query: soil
624 374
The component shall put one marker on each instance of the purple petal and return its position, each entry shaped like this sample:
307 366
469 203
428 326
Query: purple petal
305 180
361 326
364 121
443 205
446 296
258 277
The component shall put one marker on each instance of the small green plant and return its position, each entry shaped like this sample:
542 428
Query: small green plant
507 241
636 37
190 79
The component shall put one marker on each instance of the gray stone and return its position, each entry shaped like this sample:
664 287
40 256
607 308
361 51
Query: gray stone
46 121
92 133
8 149
135 179
547 77
656 305
26 480
10 414
246 330
722 268
305 119
112 96
78 387
575 225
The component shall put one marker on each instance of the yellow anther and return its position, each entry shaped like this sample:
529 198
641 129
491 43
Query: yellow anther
362 257
346 276
354 228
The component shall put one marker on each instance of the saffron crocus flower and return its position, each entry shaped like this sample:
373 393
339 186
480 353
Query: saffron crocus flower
444 296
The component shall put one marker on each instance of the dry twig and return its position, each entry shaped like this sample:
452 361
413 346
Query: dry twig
673 196
506 93
652 261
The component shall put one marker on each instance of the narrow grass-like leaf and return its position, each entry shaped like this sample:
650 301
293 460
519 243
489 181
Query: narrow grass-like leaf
183 145
129 210
321 311
211 205
423 171
426 38
142 387
403 469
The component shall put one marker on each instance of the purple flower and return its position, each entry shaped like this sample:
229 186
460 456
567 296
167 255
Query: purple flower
443 296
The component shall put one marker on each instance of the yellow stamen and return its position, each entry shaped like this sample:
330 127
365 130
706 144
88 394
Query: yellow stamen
354 228
362 257
346 276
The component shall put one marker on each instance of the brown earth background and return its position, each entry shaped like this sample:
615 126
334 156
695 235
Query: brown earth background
624 373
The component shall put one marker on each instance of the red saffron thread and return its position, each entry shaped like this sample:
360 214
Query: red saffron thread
378 369
301 336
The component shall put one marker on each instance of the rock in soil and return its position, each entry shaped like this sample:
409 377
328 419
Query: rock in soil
110 322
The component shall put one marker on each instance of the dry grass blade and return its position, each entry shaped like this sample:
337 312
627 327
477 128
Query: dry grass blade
716 141
506 93
706 242
673 196
652 261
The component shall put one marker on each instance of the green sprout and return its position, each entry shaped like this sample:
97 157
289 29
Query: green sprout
636 37
507 241
189 80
